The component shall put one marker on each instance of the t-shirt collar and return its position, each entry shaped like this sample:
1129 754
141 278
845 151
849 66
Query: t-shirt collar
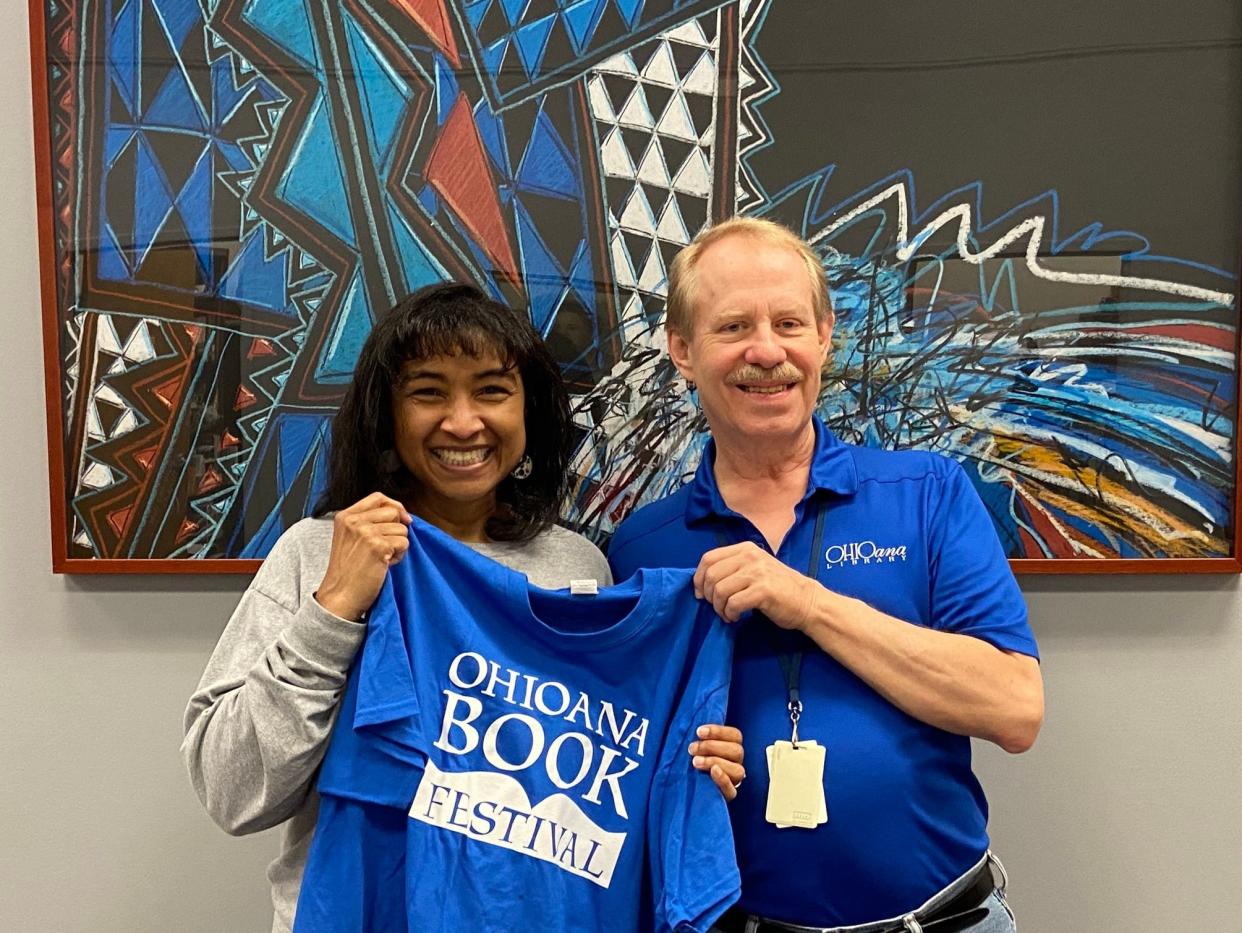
832 471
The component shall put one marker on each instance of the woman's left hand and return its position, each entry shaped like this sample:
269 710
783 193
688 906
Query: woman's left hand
718 751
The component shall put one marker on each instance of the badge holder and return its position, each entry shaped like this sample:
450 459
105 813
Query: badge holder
796 770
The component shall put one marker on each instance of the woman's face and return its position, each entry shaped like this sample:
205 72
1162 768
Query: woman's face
460 428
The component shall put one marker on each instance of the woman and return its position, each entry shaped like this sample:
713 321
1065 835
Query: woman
457 414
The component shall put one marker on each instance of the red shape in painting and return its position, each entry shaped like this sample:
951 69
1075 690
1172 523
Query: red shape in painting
245 398
170 390
433 18
144 457
228 441
211 480
187 528
119 518
457 169
260 347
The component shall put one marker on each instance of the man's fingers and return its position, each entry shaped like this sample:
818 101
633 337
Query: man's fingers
710 564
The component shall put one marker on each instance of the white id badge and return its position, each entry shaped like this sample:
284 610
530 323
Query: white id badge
796 785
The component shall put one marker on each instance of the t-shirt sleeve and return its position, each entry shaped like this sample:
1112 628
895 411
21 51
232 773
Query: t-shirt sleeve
386 670
973 591
693 869
376 750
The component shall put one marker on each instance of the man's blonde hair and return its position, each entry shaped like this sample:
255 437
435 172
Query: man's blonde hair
682 283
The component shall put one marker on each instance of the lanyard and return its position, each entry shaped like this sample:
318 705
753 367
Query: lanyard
791 661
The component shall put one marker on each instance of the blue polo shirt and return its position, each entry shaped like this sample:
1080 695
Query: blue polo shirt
906 533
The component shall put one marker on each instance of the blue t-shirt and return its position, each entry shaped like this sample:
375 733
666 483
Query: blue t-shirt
508 757
906 533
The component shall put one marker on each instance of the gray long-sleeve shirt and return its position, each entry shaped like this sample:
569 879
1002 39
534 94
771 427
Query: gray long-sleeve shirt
257 727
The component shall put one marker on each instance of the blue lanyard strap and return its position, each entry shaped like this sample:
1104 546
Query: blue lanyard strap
791 661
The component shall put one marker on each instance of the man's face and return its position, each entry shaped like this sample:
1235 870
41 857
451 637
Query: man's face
755 349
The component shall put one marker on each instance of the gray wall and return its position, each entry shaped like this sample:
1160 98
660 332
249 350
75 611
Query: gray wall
1126 816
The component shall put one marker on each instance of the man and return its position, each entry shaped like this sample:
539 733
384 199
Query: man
881 626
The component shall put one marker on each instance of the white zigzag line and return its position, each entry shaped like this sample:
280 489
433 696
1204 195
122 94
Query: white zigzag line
1032 226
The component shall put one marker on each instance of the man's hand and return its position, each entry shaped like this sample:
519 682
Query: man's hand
952 681
718 751
742 577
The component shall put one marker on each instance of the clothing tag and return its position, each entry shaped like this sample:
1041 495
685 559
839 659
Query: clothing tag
796 785
584 587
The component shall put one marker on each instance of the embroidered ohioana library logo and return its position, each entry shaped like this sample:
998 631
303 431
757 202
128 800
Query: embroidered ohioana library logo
588 763
855 553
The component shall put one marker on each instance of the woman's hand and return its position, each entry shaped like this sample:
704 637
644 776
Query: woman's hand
719 752
367 538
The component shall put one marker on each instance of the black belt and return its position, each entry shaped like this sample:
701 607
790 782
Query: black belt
960 912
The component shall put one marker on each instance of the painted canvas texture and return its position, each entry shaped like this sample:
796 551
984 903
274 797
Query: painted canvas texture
1032 254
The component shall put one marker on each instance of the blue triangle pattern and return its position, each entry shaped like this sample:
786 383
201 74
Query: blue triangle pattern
194 206
545 280
630 10
265 538
114 141
491 131
582 277
295 434
238 161
253 279
582 19
349 332
383 100
476 11
314 182
494 56
447 89
286 23
109 263
225 95
420 267
547 167
319 474
179 16
532 40
153 200
123 52
513 10
175 105
427 198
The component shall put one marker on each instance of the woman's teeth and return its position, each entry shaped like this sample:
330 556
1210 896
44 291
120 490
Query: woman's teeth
462 457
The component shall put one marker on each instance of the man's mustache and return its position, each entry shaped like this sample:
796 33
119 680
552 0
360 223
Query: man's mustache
786 372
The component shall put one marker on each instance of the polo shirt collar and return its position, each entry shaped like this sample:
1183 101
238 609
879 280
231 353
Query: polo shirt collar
832 471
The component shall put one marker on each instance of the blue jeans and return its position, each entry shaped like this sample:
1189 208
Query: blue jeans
998 920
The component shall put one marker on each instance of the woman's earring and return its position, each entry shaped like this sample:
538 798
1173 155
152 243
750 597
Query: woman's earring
524 468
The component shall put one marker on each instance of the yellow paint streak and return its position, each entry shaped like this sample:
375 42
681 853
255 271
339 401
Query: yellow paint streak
1047 479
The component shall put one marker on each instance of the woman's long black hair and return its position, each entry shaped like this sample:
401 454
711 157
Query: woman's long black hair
443 320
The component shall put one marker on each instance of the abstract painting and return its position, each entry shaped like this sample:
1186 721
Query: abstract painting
232 190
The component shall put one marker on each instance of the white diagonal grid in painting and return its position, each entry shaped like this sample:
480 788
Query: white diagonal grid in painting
654 119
